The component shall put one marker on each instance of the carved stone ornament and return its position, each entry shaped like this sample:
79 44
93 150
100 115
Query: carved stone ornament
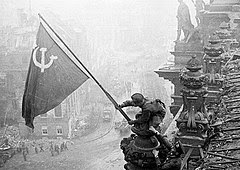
224 32
192 76
214 48
193 119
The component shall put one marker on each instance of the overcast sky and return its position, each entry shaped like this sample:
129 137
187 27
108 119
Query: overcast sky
72 8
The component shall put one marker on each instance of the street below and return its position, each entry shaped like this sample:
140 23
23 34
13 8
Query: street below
96 151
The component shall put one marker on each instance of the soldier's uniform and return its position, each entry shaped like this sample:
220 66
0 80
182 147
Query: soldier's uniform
152 112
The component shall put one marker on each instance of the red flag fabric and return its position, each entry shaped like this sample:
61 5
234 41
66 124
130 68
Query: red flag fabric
52 76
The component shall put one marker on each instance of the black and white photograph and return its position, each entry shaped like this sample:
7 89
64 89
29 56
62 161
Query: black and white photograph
120 85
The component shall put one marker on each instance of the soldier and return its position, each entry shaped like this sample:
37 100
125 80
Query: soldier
19 146
65 145
152 111
56 148
62 147
51 148
184 21
152 114
36 149
199 5
41 147
24 152
27 150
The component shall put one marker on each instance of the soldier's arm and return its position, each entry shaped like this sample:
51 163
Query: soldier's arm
127 103
162 103
163 113
162 108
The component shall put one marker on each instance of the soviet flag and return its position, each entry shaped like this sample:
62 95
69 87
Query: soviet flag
52 76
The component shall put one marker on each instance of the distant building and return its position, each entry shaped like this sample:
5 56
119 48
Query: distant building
18 30
58 122
16 43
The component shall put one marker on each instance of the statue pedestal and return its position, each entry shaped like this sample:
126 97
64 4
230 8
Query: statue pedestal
138 152
171 73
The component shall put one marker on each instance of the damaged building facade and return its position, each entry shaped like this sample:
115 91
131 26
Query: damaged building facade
18 35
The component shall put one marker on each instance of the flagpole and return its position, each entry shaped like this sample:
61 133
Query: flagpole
106 93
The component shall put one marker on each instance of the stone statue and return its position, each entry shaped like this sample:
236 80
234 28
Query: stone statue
184 21
200 6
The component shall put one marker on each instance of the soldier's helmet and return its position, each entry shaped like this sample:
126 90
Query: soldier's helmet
137 98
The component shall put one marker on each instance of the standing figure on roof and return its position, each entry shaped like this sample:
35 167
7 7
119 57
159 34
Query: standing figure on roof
184 21
199 5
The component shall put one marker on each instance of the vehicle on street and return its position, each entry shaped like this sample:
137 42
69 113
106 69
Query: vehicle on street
106 115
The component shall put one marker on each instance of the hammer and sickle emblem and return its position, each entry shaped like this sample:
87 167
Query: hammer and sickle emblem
42 65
